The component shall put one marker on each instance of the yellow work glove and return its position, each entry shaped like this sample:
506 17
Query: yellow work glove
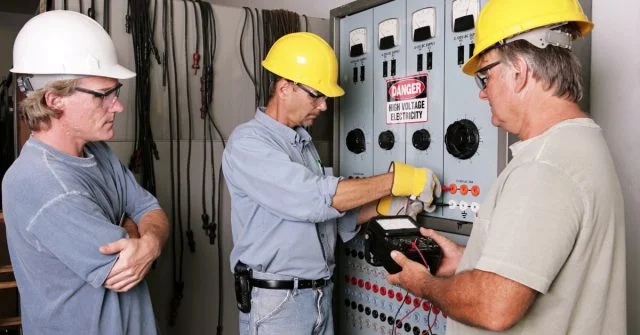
420 183
391 205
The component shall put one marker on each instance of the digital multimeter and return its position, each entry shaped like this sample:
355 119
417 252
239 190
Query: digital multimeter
386 233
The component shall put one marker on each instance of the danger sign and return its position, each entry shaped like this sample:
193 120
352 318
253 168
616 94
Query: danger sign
407 99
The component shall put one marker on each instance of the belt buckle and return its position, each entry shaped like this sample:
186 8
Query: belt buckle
315 284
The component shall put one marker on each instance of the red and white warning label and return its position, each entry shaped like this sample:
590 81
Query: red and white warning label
407 99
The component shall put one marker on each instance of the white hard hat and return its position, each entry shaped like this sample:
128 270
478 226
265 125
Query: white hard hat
64 44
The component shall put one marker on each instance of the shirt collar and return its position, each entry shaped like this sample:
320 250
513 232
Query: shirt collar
295 136
517 147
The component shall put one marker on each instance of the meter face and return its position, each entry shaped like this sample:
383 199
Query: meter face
388 34
358 42
424 24
464 14
395 223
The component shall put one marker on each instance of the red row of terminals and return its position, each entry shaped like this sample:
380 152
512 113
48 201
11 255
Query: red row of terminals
464 189
392 294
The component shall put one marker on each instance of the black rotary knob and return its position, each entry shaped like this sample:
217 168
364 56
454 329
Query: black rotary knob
356 141
462 139
421 139
386 140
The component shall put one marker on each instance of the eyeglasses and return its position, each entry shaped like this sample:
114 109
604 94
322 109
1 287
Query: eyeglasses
482 74
317 97
108 97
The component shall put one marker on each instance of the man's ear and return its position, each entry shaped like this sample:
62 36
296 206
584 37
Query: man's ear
521 74
54 101
283 88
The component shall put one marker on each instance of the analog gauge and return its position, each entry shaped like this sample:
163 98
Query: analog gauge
465 13
358 42
388 34
424 24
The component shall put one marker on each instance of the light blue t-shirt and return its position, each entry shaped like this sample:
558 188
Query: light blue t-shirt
281 215
59 210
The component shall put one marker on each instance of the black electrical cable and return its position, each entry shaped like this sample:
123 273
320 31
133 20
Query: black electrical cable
196 55
206 220
247 13
106 16
145 149
275 24
177 241
209 34
189 233
81 6
91 12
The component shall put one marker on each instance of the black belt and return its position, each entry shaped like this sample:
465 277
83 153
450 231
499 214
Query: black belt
288 284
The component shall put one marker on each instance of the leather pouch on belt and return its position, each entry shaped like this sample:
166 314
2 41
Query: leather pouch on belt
242 274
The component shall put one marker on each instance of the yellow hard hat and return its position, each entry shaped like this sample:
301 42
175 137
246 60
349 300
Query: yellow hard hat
307 59
502 19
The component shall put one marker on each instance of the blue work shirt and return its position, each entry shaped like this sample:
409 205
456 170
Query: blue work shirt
281 215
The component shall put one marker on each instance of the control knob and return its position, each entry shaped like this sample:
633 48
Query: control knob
421 139
356 141
462 139
386 140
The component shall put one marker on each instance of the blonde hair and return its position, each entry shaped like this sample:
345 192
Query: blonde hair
34 109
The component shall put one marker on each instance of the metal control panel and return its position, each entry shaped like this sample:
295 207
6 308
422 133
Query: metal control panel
356 70
389 60
415 105
475 150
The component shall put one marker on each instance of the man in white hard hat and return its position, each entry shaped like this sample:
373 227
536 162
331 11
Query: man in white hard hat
67 196
547 250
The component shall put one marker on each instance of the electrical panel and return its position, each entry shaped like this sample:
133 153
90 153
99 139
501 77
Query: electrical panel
474 148
408 100
425 58
356 70
411 103
366 304
389 63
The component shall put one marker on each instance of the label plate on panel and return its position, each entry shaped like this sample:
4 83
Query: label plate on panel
407 99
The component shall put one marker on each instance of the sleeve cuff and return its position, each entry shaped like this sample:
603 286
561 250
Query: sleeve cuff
347 225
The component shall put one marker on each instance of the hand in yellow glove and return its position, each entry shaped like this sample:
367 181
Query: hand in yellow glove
391 205
420 183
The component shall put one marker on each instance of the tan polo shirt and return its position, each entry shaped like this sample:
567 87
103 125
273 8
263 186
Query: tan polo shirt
554 221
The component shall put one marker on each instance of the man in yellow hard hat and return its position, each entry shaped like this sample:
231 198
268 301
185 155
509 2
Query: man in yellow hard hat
284 207
547 251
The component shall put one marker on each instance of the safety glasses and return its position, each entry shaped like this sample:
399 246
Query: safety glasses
482 74
108 97
317 97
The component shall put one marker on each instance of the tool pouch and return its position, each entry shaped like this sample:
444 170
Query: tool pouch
243 274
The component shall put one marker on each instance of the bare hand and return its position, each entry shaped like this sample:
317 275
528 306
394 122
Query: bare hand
451 253
134 261
411 277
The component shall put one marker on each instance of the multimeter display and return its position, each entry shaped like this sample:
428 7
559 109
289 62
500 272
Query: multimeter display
396 223
401 233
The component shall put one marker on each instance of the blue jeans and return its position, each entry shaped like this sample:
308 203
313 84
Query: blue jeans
283 312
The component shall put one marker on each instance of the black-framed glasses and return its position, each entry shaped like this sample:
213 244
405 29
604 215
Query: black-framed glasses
482 74
108 97
317 97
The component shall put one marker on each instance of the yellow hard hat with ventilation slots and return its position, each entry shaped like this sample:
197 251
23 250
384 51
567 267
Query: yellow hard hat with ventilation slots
307 59
502 19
